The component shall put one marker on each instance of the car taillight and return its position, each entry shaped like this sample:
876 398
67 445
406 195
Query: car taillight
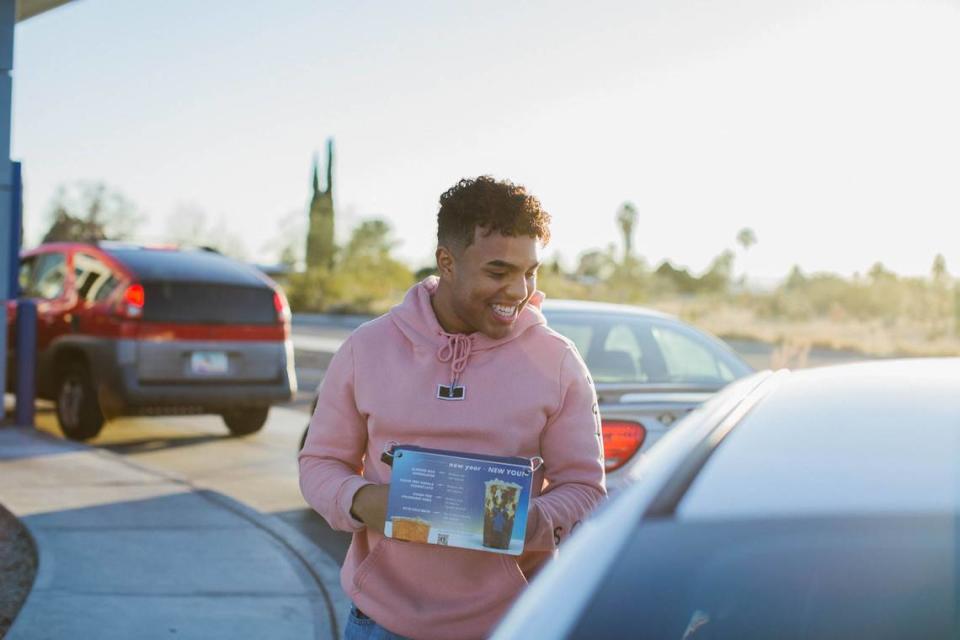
281 306
621 439
133 300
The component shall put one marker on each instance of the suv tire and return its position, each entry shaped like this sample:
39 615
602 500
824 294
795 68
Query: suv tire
78 410
243 422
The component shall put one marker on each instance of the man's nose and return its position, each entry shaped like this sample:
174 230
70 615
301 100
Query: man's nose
517 289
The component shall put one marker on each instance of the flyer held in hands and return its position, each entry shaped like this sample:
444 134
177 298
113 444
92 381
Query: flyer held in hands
459 499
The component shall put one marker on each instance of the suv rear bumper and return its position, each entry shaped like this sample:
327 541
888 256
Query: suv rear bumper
131 397
118 371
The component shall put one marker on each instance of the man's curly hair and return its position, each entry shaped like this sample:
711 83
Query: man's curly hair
492 205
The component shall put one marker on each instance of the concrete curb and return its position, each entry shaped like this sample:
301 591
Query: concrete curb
306 560
318 564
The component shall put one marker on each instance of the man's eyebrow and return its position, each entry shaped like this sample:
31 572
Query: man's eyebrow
503 264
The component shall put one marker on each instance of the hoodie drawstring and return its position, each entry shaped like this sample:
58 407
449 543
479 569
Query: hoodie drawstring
456 351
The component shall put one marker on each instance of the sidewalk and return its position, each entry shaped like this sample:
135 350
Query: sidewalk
128 552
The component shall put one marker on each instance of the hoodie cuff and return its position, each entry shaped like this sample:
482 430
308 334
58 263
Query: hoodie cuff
539 536
345 500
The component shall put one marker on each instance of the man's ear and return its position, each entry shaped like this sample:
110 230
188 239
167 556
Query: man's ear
445 262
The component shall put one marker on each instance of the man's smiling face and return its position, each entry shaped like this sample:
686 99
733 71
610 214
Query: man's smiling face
486 284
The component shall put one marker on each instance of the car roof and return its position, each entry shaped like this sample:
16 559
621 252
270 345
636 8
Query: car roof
865 438
589 306
187 265
801 447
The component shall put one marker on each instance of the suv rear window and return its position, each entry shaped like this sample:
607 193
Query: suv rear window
198 303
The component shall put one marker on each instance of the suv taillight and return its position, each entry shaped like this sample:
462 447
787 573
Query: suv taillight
281 306
621 439
131 305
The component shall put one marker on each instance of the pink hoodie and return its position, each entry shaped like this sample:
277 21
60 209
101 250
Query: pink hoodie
528 394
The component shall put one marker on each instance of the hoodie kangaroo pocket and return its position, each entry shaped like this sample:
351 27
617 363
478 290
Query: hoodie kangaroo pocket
453 583
367 563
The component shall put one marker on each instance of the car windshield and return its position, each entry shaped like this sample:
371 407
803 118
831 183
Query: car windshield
640 349
831 577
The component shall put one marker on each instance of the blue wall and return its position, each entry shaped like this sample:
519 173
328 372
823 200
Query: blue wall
7 22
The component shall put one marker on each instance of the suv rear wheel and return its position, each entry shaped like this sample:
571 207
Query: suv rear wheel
78 411
242 422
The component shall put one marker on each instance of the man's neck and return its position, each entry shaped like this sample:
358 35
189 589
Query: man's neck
442 309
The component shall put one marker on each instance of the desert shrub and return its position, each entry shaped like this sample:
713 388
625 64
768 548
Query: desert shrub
366 278
831 297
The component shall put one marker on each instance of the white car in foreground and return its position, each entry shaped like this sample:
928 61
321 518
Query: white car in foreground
822 503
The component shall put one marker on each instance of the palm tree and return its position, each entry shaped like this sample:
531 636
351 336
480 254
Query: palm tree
939 269
746 238
627 219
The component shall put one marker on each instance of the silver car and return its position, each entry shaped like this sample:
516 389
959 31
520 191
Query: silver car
818 504
649 369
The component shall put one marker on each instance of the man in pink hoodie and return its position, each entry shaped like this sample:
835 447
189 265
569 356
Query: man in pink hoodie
465 363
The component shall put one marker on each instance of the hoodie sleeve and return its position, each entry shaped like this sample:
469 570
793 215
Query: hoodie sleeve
332 455
573 460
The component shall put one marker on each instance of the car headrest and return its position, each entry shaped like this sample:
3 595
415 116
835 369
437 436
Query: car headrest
613 366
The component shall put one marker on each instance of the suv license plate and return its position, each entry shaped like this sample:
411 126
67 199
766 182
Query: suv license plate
208 362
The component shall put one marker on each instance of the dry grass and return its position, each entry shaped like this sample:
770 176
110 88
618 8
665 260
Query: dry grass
877 337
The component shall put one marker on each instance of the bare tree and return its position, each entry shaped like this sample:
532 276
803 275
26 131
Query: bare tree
188 226
90 211
287 242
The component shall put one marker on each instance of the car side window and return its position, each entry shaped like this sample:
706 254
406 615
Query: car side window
688 360
25 276
92 276
621 338
581 334
48 277
106 288
620 360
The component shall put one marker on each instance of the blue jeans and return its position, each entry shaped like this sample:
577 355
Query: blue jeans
360 627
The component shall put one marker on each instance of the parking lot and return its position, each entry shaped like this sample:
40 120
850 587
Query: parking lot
258 470
261 470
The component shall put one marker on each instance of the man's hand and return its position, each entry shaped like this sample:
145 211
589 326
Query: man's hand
370 505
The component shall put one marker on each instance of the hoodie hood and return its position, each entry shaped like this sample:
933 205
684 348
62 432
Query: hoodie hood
417 321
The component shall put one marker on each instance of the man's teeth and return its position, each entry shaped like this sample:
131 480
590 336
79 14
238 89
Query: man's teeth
501 310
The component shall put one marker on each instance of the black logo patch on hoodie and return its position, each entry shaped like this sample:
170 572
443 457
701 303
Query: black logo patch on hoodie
448 392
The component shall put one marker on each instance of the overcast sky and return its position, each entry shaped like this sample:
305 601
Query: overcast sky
830 128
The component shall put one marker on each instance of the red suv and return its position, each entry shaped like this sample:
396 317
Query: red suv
132 330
